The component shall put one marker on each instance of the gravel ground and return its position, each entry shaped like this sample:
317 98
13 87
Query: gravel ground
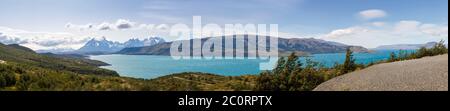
425 74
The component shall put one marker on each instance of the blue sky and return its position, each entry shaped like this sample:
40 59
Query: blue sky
304 18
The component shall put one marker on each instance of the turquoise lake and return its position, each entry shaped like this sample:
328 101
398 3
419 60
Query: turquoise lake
149 66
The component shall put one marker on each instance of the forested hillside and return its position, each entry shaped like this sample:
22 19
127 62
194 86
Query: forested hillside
23 55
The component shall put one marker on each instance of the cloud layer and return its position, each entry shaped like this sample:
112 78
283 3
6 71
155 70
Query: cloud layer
120 24
407 31
41 40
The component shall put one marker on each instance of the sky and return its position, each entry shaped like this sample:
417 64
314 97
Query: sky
68 24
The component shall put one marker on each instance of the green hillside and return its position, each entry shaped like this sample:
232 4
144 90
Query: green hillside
21 69
23 55
19 77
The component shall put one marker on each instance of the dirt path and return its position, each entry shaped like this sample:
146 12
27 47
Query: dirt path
425 74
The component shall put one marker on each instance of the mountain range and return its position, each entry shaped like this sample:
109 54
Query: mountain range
102 45
300 46
405 46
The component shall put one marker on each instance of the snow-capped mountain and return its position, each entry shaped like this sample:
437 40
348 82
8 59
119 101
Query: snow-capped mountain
133 43
146 42
141 43
152 41
102 45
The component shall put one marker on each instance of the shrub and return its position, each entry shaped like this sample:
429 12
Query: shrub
7 79
291 75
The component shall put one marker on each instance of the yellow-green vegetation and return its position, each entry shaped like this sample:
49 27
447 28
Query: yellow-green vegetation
190 81
18 54
292 75
17 77
438 49
24 70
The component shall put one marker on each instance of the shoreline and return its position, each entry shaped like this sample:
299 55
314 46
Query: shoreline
328 64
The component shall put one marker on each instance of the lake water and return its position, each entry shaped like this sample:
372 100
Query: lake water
149 66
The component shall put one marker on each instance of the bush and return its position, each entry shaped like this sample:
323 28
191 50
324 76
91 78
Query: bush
437 49
291 75
7 79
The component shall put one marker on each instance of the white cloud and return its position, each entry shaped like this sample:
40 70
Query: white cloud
104 26
120 24
407 26
345 32
372 14
41 40
124 24
434 30
5 39
402 32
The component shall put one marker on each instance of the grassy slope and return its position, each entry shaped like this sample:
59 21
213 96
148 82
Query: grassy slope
27 70
23 77
18 54
192 81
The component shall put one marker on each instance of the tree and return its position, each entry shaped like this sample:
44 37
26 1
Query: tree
295 77
288 70
280 65
402 55
422 52
265 82
7 79
291 75
349 63
274 76
439 48
392 57
283 77
309 77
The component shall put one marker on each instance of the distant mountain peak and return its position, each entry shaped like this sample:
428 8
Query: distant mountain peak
145 42
102 45
405 46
